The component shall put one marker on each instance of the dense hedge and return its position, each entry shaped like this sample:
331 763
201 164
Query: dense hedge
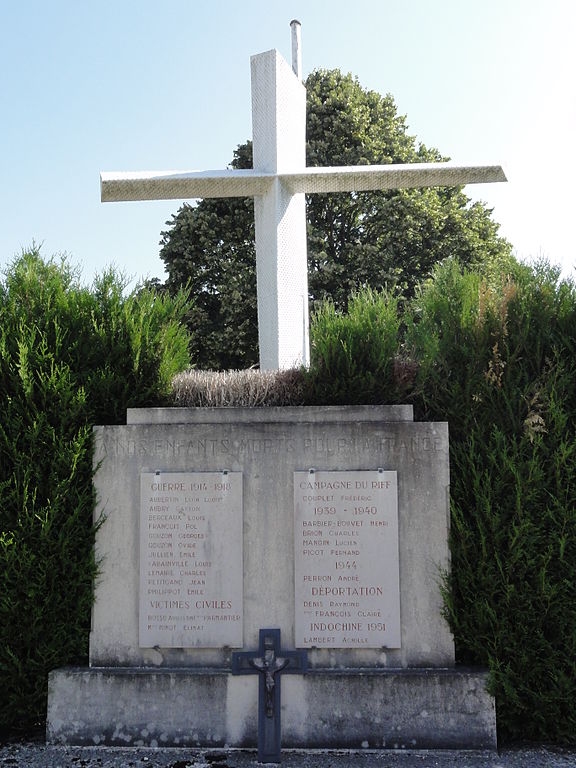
70 357
493 354
499 366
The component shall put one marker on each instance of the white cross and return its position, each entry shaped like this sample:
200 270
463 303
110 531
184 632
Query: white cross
278 182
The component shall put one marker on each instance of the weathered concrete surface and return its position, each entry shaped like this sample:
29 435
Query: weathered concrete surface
299 414
268 453
356 709
407 697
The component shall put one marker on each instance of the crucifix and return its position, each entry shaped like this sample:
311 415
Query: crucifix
278 182
269 662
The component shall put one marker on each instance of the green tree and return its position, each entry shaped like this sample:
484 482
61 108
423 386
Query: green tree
495 349
70 357
490 350
376 239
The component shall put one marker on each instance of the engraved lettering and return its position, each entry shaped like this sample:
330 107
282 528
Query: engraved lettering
347 571
191 522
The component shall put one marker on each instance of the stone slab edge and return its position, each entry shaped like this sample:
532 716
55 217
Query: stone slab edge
298 414
328 709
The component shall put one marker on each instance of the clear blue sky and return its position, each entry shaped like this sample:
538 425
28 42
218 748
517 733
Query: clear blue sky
108 85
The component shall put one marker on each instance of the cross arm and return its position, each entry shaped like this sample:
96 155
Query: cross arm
176 185
246 662
269 639
362 178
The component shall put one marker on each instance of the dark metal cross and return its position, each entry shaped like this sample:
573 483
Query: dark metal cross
270 662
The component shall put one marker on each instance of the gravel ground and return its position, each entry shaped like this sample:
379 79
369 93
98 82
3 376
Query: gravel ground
36 754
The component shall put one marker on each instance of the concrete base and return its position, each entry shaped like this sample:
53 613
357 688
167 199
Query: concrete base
330 709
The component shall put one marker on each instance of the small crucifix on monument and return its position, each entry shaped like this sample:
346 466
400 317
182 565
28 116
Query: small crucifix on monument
278 182
269 662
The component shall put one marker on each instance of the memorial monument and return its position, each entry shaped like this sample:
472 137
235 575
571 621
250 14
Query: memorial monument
248 550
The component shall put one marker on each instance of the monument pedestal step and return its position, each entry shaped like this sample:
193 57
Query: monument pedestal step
363 708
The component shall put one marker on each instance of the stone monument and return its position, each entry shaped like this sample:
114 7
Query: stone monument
329 524
243 548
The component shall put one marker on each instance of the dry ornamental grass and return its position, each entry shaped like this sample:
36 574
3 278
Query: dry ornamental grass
248 388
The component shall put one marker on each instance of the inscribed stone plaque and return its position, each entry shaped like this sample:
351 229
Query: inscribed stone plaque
191 559
346 559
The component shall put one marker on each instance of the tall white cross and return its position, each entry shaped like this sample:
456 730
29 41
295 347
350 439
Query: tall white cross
278 181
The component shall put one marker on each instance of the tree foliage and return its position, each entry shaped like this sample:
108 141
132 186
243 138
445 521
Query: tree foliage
70 357
492 352
496 353
377 239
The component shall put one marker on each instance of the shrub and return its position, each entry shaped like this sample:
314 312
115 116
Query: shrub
496 356
353 352
492 352
70 357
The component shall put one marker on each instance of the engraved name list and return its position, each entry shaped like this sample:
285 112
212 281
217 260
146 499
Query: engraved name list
346 559
190 528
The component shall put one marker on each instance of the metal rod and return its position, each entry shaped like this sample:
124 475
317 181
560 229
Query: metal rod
296 48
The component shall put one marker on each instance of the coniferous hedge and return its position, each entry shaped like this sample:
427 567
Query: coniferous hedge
70 357
497 362
492 352
494 355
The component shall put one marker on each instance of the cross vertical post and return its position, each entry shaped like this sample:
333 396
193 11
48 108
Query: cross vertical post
269 662
279 146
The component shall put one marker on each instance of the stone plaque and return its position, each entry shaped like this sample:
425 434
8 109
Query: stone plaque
347 591
191 559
